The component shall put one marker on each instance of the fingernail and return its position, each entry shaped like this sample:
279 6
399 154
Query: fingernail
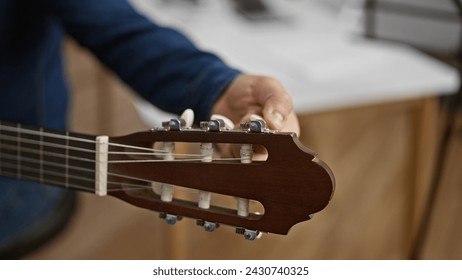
278 119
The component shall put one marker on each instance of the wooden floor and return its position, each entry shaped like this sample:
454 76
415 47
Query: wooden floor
443 239
381 156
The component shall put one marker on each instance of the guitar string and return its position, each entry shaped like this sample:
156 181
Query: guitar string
41 134
193 157
61 146
22 130
123 186
119 186
59 156
27 131
44 153
53 164
127 187
154 152
92 152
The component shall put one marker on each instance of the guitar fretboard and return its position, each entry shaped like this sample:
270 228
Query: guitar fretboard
47 156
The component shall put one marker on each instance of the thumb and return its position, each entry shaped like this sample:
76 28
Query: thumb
276 103
276 112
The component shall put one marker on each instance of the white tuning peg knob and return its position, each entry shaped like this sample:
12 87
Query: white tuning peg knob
228 123
255 117
188 117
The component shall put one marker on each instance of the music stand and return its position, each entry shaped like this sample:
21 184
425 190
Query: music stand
452 104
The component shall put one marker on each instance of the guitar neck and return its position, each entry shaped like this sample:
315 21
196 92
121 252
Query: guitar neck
48 156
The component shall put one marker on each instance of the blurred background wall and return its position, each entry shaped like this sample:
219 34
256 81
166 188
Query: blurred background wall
378 128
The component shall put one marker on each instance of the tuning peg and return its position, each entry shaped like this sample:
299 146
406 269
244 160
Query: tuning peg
188 117
174 124
249 234
228 124
208 226
169 218
256 124
212 125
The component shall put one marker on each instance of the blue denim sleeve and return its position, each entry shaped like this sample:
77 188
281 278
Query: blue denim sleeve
159 63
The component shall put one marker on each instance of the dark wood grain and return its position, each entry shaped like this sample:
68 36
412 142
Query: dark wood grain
289 184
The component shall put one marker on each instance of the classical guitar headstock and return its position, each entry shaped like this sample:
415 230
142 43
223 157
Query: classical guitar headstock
269 195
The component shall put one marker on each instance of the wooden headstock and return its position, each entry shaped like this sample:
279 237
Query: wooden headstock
291 184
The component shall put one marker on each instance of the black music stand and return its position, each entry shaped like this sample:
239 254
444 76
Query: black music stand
452 104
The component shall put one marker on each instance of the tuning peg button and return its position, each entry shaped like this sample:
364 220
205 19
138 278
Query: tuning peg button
169 218
208 226
212 125
228 124
249 234
174 124
255 126
188 117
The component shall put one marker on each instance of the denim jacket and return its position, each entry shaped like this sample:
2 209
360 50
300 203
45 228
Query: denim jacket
157 62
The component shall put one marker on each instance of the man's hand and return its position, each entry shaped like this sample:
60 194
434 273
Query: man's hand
263 96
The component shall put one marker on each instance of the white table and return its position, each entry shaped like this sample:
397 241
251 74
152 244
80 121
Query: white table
325 66
311 50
